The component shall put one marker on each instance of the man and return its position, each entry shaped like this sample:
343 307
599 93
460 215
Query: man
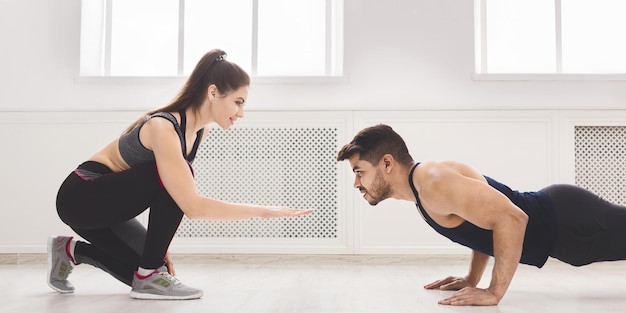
561 221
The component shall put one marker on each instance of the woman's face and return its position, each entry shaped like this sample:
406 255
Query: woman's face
227 108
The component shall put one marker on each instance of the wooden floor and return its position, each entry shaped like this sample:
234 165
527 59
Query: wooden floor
390 284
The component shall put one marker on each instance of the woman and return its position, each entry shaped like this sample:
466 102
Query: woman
149 165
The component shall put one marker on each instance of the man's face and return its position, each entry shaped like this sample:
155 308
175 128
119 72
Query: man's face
370 181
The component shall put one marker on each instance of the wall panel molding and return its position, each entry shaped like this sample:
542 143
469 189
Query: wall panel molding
525 149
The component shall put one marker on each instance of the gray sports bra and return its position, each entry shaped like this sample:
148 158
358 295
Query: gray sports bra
134 152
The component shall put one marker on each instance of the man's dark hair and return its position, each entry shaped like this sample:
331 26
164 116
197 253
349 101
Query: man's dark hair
372 143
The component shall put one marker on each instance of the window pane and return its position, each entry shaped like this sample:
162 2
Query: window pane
594 35
225 25
144 38
92 38
292 38
521 36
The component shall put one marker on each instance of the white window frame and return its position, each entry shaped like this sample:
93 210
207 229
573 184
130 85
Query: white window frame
334 65
481 61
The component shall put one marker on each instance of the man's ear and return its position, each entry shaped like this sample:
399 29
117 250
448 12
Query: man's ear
388 162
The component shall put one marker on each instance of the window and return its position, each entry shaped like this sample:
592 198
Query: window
550 36
167 37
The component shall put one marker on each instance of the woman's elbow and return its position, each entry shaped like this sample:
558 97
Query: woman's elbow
191 209
192 214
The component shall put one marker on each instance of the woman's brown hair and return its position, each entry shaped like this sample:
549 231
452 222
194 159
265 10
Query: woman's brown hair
212 69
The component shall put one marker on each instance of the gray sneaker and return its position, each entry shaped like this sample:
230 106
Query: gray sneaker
59 264
160 285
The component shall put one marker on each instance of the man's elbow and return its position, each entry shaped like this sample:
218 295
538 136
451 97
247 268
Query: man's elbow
520 218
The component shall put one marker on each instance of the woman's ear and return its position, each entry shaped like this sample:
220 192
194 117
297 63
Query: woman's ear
211 92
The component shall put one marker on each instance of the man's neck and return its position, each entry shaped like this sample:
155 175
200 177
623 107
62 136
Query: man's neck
401 188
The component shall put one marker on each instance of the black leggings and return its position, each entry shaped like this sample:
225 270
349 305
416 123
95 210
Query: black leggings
102 206
591 229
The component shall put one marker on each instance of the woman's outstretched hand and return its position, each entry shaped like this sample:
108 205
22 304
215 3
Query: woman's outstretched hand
280 211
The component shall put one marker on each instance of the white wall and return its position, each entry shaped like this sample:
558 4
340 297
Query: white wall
414 54
407 61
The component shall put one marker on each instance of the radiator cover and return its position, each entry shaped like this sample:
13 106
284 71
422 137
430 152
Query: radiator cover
292 166
600 161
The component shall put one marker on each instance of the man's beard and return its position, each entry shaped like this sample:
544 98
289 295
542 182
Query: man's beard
380 188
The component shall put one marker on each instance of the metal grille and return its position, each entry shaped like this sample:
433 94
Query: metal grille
294 167
601 161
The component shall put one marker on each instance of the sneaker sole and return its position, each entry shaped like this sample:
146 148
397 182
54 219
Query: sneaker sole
152 296
49 249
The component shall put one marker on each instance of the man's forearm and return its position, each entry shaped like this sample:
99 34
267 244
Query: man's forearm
477 268
508 240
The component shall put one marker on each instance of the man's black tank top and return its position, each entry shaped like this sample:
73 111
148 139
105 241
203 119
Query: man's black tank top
540 231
